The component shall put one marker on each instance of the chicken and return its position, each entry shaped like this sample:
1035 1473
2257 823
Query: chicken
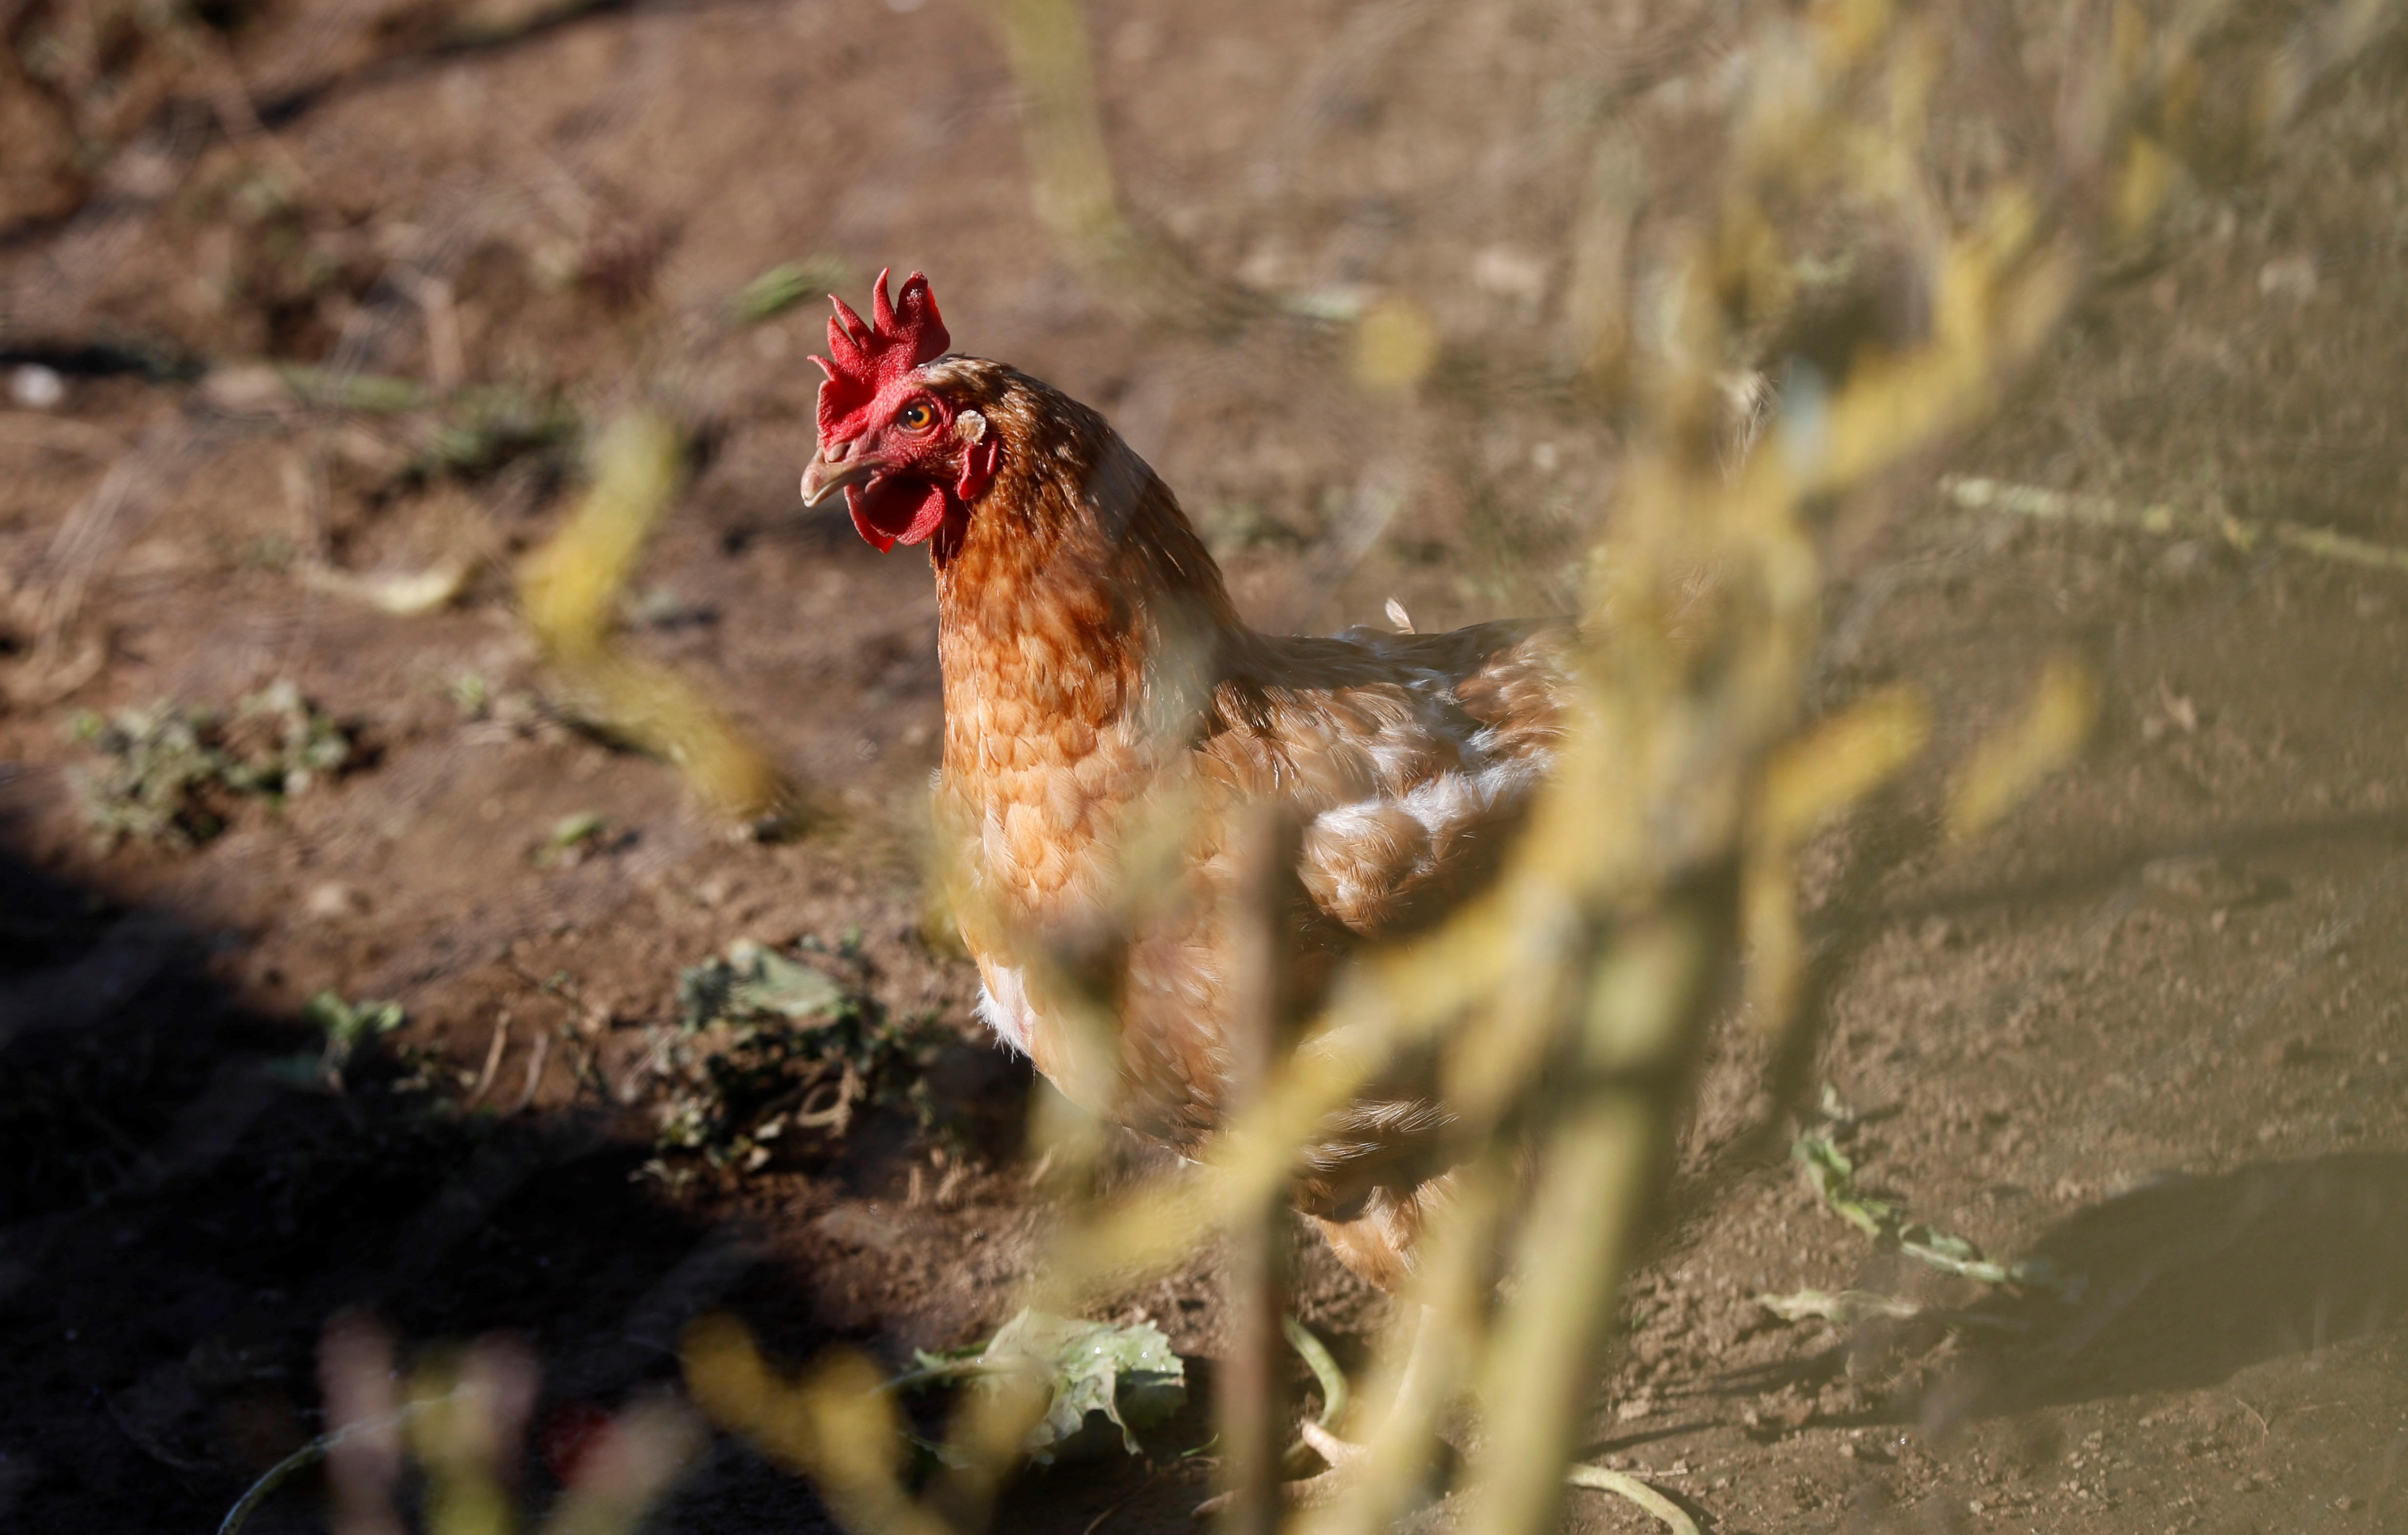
1096 671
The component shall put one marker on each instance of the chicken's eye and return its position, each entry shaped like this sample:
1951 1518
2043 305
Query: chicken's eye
915 416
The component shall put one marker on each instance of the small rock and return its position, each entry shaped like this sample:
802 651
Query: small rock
2201 880
2291 279
36 387
247 389
2186 561
1509 272
334 900
2294 1050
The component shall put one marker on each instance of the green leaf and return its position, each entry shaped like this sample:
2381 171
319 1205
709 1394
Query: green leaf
1126 1372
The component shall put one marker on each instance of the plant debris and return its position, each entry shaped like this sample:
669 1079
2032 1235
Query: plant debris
1125 1371
481 431
174 777
1832 1176
788 284
571 838
766 1045
1847 1308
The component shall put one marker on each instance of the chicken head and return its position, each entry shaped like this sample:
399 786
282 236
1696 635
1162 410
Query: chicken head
909 460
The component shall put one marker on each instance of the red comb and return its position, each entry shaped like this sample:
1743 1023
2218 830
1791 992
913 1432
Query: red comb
863 361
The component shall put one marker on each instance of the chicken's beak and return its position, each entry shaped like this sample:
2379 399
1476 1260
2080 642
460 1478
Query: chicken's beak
836 466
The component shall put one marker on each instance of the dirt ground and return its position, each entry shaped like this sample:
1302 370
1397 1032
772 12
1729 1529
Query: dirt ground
2152 1029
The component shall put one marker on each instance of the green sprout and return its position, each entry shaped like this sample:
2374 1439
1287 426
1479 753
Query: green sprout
348 1025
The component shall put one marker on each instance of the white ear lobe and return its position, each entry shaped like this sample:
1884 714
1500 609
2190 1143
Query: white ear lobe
970 427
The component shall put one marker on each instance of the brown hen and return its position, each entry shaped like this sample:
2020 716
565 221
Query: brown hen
1099 686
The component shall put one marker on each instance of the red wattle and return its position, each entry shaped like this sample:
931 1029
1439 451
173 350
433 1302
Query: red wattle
890 512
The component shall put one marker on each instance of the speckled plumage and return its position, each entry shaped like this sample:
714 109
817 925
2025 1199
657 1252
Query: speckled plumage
1101 694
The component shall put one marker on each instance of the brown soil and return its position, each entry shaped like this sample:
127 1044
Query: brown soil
2151 1027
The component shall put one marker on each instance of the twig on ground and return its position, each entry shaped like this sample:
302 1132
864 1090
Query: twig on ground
404 594
1624 1485
2043 505
534 1072
492 1060
1098 1522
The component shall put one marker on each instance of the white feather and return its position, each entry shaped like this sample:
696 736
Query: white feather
1003 1006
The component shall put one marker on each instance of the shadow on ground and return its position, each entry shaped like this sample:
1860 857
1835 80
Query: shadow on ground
183 1209
2190 1280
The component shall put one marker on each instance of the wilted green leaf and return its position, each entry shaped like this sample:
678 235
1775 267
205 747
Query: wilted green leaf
755 981
1124 1371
